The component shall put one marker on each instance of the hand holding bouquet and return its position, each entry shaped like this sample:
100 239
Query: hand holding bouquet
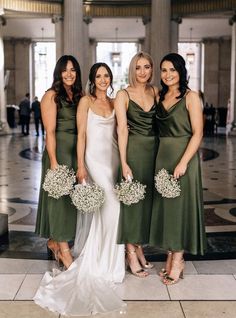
130 191
87 197
166 184
59 181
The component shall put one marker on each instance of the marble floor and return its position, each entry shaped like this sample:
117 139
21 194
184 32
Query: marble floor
209 286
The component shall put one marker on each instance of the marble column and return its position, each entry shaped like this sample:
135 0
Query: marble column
232 108
174 34
3 112
146 47
58 21
160 32
73 30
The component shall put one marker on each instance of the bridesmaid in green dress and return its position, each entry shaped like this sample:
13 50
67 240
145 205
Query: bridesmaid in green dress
56 219
178 223
135 111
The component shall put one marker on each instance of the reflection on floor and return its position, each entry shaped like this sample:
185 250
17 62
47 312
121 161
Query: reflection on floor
24 258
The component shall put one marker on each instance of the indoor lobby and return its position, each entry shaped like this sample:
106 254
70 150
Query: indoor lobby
33 35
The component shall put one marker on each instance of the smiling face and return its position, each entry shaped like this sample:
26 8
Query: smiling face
102 79
68 74
169 74
143 71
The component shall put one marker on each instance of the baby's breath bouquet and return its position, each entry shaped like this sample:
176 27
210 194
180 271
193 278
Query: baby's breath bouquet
59 182
130 191
87 197
166 184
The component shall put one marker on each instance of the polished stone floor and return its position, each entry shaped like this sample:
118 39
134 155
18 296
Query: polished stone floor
209 286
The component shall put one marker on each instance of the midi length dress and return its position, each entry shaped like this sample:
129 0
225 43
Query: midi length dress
178 223
134 223
56 219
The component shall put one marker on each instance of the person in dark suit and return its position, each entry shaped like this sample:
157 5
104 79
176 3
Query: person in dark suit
25 114
35 108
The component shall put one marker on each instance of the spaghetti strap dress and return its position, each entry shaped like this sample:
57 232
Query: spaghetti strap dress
178 223
56 219
134 223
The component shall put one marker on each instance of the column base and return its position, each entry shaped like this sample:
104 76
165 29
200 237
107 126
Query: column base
4 128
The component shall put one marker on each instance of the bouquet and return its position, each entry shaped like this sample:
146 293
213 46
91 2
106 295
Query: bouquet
130 191
87 197
166 184
59 182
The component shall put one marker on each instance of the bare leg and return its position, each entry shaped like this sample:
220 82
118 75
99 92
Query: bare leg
145 264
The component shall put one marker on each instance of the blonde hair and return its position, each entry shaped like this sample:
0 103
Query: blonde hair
133 64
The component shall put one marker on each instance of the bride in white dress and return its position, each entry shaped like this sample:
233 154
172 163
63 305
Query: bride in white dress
87 286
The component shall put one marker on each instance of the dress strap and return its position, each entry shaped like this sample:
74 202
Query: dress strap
126 92
154 93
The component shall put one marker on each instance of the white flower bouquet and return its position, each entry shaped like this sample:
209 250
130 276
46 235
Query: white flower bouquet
59 182
130 191
87 197
166 184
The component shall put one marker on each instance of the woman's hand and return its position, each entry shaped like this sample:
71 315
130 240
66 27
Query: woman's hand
126 171
53 166
180 170
82 174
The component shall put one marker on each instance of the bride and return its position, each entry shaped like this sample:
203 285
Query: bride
87 286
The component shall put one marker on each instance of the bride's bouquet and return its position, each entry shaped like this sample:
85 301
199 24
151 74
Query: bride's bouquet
130 191
59 182
166 184
87 197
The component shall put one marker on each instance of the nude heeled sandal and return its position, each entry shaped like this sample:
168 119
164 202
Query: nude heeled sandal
178 269
166 271
141 273
64 259
147 264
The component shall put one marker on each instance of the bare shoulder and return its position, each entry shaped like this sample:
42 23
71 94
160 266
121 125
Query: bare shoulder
156 90
192 95
49 95
193 100
121 93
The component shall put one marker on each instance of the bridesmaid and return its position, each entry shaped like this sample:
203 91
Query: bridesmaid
178 224
56 219
135 108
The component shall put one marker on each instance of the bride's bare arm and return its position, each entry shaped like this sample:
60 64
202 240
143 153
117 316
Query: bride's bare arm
120 106
81 118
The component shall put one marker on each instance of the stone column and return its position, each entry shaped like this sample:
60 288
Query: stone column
58 21
146 47
86 47
232 109
160 32
174 34
73 30
3 112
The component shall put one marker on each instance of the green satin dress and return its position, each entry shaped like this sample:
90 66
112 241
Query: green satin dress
56 219
178 223
134 222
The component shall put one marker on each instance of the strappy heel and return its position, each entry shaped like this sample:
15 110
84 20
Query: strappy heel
53 248
166 271
141 273
177 271
64 259
145 264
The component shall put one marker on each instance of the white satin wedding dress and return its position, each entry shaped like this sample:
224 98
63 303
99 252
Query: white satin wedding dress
87 287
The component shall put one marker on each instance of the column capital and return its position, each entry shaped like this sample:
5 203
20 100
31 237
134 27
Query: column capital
146 20
3 21
56 18
176 19
87 19
232 20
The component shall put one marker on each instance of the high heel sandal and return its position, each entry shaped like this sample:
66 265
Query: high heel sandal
64 259
177 270
145 264
53 247
166 270
141 273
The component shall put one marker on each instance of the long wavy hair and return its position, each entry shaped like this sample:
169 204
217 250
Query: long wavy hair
57 84
92 78
179 64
